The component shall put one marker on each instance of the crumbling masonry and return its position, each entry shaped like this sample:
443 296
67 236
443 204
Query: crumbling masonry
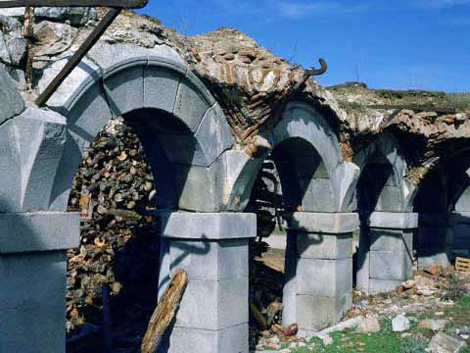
208 110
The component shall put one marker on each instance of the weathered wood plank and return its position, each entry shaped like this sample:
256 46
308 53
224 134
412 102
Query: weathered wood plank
462 264
126 4
165 312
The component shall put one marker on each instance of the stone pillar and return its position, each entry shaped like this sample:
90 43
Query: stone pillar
318 288
213 249
435 239
33 270
390 249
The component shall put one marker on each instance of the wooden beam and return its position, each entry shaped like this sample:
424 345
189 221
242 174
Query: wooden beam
78 56
125 4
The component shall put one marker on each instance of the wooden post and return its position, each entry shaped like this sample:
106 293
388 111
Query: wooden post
165 312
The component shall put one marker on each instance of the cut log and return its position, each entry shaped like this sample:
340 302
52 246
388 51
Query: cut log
165 312
126 4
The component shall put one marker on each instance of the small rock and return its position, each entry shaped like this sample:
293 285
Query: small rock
433 324
431 270
409 284
443 343
368 325
400 323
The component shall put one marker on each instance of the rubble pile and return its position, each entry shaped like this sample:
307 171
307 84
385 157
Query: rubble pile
266 286
118 254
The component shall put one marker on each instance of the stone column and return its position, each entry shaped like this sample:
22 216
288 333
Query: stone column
33 270
318 288
435 239
391 249
213 249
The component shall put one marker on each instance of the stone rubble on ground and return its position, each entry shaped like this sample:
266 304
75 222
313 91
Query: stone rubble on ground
368 325
433 324
400 323
444 343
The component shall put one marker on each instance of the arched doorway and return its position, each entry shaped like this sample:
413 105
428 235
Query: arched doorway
385 252
314 180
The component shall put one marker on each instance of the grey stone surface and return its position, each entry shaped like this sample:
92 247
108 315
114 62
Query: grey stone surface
124 85
30 148
444 343
69 93
55 37
230 340
4 52
331 223
433 324
17 49
33 329
10 169
316 313
303 121
324 278
10 100
186 225
76 15
401 323
86 118
198 188
192 101
214 305
319 197
221 260
13 12
241 172
382 285
390 265
26 232
368 325
433 259
214 136
33 279
324 246
161 81
391 240
393 220
42 136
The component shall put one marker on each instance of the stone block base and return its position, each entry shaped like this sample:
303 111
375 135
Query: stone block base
230 340
316 313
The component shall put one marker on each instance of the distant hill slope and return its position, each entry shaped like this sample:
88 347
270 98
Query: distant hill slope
354 96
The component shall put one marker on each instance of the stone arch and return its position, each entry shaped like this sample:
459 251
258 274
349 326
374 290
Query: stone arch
384 257
385 150
170 105
443 203
331 177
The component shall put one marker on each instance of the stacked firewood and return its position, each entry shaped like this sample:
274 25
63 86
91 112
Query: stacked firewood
118 254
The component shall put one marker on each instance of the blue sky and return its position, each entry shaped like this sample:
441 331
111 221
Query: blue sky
398 44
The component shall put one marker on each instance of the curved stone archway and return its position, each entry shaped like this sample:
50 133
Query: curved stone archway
169 93
381 199
314 179
443 203
303 122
